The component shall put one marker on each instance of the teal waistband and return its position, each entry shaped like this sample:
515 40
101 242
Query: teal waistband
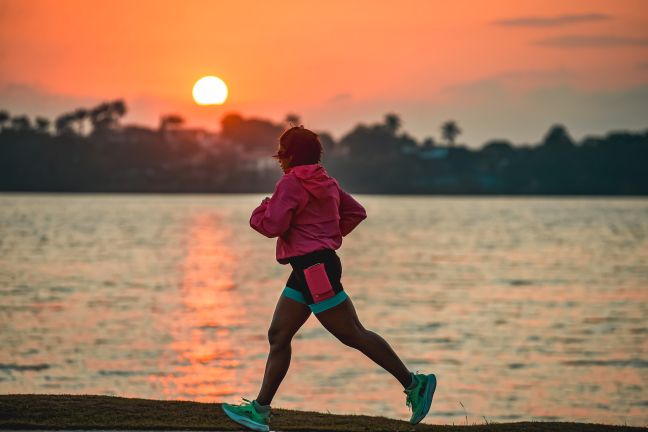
329 302
294 294
316 307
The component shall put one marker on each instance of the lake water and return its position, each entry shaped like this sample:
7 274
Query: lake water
525 308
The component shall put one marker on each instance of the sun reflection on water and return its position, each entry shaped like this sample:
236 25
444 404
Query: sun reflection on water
201 328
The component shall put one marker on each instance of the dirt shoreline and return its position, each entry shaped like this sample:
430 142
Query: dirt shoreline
87 412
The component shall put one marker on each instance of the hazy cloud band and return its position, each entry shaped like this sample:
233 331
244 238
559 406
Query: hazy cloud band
587 41
554 21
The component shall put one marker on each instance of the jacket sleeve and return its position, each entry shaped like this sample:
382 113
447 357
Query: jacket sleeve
351 213
272 218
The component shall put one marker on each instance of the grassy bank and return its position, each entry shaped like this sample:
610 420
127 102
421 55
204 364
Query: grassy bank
35 411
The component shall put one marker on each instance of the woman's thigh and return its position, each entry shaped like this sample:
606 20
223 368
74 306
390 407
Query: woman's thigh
289 316
342 320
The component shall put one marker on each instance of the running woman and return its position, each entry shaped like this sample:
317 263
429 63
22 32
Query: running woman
309 214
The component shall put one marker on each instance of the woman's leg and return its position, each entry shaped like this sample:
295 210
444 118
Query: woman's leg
288 317
342 321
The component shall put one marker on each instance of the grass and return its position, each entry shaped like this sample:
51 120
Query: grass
41 411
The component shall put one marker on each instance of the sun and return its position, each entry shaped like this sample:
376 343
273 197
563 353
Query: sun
210 90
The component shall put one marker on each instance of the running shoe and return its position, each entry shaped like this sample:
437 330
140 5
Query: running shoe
245 414
419 399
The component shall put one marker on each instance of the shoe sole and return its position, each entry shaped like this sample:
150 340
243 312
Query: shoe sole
429 394
245 421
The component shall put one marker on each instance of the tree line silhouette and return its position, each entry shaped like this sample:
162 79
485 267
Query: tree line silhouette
89 150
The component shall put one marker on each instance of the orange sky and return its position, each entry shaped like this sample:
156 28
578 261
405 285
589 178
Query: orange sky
337 63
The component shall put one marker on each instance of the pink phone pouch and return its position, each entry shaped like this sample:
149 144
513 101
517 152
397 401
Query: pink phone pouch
318 282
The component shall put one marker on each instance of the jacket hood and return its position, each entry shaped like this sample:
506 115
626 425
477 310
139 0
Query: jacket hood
315 179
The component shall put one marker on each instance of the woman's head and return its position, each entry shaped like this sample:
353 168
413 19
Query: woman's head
298 146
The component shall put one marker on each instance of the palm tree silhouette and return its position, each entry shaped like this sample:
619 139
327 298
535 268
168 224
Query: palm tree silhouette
20 123
106 115
62 124
292 120
79 117
450 131
392 123
171 121
118 108
42 124
4 117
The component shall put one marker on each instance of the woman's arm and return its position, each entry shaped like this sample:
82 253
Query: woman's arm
272 218
351 213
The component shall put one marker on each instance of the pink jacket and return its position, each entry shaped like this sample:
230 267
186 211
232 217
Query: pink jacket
308 211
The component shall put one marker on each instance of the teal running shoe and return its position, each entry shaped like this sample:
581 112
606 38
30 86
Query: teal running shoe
419 399
245 414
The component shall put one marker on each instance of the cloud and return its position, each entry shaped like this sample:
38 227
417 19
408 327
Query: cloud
552 21
591 41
